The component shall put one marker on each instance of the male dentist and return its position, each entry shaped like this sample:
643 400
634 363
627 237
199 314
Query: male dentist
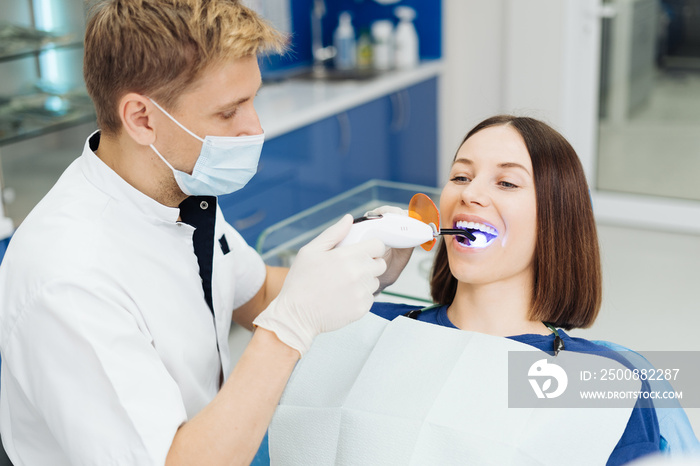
118 290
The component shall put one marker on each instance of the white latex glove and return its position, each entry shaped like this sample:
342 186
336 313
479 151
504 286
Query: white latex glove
396 259
326 288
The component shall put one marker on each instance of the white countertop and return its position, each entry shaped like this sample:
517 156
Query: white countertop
294 103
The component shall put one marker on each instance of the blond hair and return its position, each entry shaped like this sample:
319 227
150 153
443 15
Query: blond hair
159 48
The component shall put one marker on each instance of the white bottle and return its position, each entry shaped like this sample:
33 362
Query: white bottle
344 41
406 38
383 37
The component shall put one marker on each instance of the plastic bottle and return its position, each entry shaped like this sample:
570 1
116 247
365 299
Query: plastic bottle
406 38
344 41
364 50
383 53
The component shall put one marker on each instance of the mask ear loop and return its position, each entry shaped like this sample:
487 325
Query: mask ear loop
162 158
558 342
175 121
181 126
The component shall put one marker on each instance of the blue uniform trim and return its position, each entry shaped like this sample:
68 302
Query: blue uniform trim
4 243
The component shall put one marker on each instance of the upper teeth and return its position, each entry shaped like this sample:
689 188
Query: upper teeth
476 226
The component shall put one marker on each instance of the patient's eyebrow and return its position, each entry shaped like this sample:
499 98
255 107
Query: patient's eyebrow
513 165
465 161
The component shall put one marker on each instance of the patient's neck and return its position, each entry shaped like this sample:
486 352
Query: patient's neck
499 309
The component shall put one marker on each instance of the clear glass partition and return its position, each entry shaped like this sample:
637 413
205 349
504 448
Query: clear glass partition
280 243
649 118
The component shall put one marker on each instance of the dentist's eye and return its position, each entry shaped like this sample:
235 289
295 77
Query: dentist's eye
230 114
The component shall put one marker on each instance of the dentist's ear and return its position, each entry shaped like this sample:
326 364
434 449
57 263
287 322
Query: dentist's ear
136 113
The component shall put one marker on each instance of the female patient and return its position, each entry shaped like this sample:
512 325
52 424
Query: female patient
519 187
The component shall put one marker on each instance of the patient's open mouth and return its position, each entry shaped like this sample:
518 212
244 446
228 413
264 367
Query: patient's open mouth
485 234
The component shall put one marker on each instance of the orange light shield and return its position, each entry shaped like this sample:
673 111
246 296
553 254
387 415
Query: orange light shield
424 209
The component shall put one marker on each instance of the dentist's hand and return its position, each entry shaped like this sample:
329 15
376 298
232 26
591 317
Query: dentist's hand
326 288
396 259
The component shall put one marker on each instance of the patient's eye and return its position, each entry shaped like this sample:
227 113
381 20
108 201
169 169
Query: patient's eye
460 179
507 185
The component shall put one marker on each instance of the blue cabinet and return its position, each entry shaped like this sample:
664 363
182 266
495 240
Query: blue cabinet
392 138
413 135
364 146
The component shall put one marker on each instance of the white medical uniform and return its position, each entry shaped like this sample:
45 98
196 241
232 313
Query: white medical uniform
107 343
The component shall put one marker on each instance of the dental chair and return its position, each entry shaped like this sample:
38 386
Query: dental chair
677 436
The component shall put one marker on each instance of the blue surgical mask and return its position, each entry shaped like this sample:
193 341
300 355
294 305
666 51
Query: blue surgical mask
225 163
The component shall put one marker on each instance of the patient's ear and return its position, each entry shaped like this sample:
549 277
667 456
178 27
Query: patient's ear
136 113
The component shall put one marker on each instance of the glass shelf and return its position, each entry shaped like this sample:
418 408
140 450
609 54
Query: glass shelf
21 41
292 233
29 50
279 243
39 114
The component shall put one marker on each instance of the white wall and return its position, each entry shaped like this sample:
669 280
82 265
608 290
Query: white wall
537 58
470 88
532 58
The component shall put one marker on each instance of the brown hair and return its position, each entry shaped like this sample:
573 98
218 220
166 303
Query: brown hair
567 286
159 47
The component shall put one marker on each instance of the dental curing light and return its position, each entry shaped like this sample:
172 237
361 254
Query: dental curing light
419 228
394 230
